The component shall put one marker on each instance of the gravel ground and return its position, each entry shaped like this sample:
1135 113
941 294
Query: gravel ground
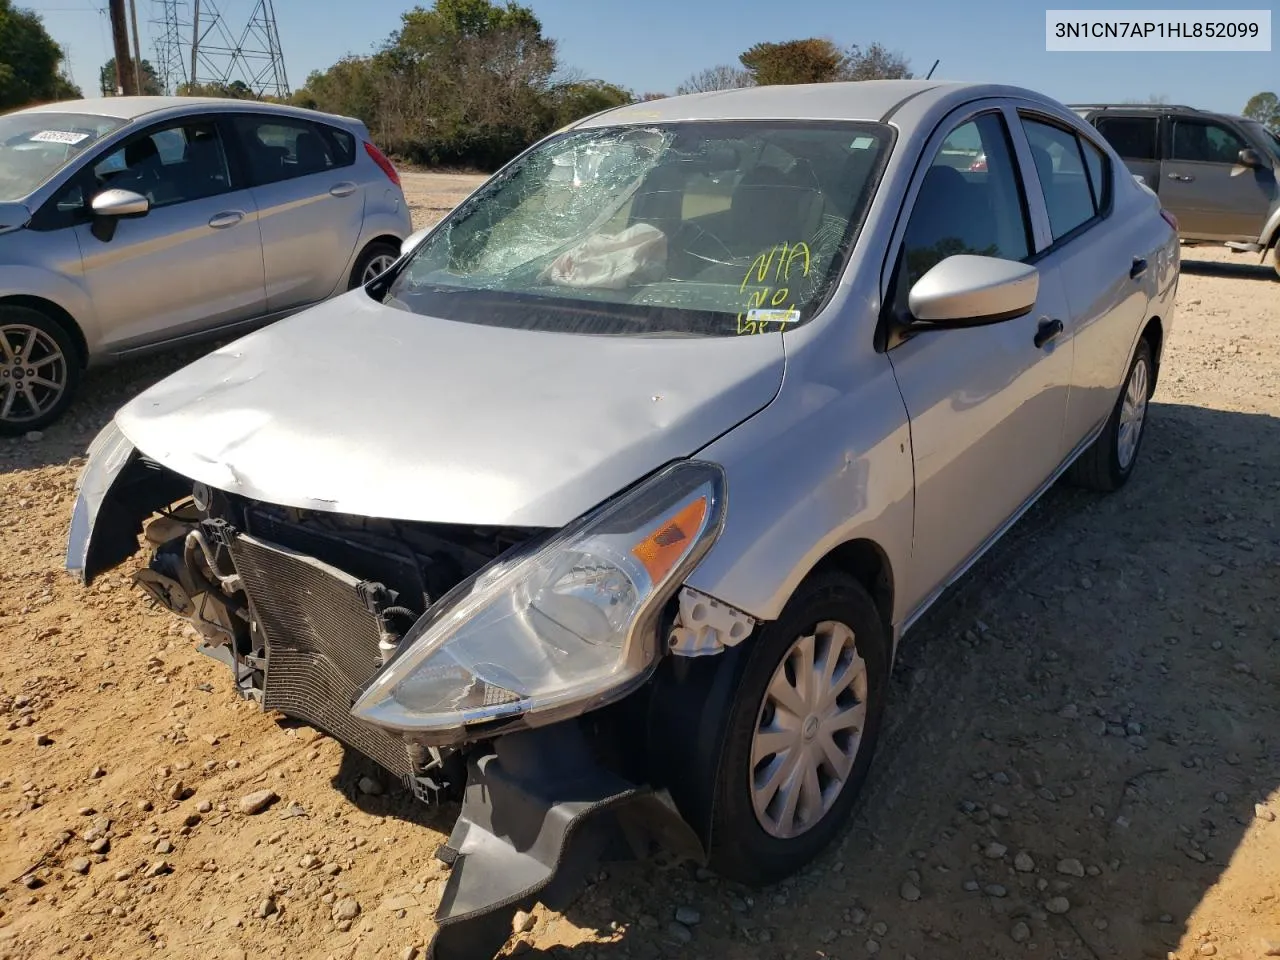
1082 757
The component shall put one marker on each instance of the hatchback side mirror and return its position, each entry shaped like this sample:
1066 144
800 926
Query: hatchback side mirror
969 291
110 206
1250 157
120 203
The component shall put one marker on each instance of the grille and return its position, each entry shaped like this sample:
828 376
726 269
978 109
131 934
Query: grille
322 645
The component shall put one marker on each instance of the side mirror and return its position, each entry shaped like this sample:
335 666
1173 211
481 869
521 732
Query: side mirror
120 203
1250 157
969 291
413 239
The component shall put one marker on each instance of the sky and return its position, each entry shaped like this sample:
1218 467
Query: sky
650 46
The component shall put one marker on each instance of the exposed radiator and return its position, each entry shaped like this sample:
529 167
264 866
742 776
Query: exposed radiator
322 645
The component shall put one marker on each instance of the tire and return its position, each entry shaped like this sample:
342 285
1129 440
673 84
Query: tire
377 252
1109 461
749 847
37 391
1275 258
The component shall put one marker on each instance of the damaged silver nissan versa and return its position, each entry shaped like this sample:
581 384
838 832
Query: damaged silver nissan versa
606 505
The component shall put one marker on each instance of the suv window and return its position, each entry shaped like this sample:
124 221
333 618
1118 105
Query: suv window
1204 141
1060 168
281 148
1134 138
975 208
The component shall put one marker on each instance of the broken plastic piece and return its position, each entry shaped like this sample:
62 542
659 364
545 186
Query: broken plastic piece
705 626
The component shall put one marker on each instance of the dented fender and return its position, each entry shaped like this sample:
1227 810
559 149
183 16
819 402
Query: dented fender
116 491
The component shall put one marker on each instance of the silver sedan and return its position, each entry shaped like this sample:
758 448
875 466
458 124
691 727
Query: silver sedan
666 437
133 223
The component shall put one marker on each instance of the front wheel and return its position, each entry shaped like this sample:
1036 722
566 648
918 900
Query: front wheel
802 729
39 370
1109 461
372 263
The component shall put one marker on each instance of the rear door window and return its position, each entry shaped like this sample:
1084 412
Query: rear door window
1060 168
283 148
1134 138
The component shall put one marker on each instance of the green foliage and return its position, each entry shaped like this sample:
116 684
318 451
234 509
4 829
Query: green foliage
29 61
815 60
1265 108
465 82
235 90
573 101
874 63
151 86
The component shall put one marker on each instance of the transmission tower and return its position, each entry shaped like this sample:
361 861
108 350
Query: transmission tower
171 28
220 57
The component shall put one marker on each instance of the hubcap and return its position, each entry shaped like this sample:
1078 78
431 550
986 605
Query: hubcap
808 731
376 267
33 373
1133 413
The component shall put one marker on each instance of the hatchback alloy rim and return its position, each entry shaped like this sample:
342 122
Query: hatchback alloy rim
33 373
808 730
1133 412
377 267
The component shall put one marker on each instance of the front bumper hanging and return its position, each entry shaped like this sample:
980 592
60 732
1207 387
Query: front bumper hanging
537 815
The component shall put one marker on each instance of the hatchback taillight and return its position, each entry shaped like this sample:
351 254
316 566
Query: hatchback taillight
380 159
1170 219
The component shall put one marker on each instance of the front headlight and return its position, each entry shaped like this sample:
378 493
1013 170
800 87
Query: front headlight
564 628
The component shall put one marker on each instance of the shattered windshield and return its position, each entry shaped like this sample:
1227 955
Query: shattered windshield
34 145
697 229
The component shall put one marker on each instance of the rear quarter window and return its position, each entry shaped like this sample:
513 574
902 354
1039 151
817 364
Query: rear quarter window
344 145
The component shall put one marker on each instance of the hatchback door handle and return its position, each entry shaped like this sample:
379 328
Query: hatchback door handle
228 219
1138 269
344 189
1180 177
1047 330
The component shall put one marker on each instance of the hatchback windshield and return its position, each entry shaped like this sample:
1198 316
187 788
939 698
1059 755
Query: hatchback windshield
697 229
34 145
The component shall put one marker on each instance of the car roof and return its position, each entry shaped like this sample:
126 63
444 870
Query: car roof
865 100
1142 108
134 108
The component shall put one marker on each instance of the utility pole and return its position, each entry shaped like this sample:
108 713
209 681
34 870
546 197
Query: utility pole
137 50
195 40
120 39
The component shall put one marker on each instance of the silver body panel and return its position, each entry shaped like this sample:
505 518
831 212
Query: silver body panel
203 267
444 421
927 450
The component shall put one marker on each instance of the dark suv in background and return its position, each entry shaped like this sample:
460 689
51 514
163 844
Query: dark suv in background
1216 173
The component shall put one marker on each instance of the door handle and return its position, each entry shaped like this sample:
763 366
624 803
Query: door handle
228 219
1139 268
344 189
1181 178
1047 330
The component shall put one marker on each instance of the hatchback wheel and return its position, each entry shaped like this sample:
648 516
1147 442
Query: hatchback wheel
372 263
1109 462
802 731
39 370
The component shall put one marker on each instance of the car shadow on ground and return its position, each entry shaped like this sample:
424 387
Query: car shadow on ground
1077 735
1244 269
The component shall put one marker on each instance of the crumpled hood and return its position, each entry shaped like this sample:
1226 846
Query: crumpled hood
359 408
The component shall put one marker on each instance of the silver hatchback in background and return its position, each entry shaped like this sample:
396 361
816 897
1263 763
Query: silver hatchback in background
133 223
